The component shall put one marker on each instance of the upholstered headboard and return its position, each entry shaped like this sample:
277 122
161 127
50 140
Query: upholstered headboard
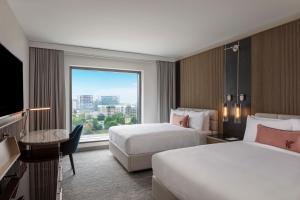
277 116
213 117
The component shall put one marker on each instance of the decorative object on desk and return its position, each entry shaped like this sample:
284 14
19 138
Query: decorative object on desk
9 153
26 115
69 147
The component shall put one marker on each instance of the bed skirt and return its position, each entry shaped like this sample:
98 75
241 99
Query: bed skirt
131 162
160 192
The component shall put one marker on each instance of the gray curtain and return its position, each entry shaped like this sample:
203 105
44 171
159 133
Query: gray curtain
166 74
47 88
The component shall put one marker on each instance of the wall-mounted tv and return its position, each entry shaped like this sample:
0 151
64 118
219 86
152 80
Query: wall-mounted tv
11 83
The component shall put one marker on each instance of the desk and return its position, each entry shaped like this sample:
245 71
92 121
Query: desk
34 177
46 137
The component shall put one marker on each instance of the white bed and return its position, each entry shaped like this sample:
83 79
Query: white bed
147 138
227 171
134 145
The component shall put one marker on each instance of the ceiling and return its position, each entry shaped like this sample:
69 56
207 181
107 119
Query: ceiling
170 28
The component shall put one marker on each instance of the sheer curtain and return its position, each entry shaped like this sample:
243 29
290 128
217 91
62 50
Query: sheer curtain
47 88
166 82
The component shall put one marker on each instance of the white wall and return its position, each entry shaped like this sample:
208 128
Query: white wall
14 39
149 80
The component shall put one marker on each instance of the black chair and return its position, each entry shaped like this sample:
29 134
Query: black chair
69 147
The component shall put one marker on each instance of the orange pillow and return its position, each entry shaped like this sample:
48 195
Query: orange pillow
180 120
289 140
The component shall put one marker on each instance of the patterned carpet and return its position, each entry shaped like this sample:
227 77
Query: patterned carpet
100 176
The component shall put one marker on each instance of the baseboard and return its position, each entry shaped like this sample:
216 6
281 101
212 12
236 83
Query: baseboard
91 146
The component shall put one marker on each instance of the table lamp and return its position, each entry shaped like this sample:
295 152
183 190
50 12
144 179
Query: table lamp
26 114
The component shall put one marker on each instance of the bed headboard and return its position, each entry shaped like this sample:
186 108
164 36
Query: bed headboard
277 116
213 117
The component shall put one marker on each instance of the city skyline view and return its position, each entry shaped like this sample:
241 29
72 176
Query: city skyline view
105 83
102 99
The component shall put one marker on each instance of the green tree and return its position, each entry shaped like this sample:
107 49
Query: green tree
96 125
101 117
133 120
114 120
78 119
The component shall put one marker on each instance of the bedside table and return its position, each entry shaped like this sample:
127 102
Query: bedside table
219 138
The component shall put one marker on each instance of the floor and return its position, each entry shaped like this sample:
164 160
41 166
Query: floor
100 176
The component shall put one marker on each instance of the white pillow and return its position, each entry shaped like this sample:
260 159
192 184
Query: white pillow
196 120
296 124
206 121
177 112
252 122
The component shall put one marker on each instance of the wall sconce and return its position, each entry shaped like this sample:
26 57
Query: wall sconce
225 113
238 108
237 113
228 98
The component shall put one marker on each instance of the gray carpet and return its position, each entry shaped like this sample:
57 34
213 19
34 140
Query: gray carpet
100 176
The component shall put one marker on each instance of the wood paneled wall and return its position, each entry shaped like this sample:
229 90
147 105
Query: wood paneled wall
201 82
275 74
276 70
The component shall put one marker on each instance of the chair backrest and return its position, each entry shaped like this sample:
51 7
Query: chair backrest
71 145
74 130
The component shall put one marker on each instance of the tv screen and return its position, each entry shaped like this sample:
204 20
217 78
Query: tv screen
11 83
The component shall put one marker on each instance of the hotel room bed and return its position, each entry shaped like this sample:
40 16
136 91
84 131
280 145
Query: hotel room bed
226 171
134 145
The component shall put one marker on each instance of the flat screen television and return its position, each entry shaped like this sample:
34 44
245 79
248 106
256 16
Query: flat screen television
11 83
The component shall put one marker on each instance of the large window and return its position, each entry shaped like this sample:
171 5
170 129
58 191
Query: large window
103 98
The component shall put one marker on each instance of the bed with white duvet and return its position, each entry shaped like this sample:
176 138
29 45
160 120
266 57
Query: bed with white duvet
243 170
134 145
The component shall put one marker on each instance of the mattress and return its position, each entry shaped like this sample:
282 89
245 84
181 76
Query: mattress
229 171
150 138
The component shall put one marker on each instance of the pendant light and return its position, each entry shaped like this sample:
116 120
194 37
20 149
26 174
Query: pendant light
237 105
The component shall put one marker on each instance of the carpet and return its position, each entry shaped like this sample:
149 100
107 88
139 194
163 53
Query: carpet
100 176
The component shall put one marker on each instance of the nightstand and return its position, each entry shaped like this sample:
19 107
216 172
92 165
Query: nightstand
219 138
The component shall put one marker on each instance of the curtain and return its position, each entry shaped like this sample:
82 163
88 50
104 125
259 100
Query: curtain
166 74
46 89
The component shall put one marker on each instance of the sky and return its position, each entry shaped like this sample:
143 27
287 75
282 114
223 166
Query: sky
105 83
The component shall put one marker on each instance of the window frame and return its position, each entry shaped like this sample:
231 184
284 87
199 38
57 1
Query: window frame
139 89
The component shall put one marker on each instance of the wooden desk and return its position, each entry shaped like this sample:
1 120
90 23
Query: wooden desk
46 137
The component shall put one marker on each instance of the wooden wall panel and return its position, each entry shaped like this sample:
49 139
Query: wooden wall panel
201 83
276 70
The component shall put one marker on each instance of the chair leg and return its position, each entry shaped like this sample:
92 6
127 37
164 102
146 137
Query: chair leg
72 163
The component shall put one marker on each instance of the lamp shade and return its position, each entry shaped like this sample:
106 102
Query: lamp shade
237 113
225 113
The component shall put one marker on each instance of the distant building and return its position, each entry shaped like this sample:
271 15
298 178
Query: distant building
108 110
86 102
110 100
130 110
75 105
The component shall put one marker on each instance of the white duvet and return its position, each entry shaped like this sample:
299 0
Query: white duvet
229 171
150 138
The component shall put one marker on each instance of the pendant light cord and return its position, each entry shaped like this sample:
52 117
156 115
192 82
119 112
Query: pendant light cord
238 73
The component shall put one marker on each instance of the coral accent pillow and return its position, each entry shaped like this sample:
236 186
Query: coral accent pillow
289 140
180 120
